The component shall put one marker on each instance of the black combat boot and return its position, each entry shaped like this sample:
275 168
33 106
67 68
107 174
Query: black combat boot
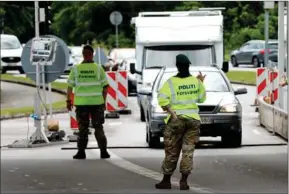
104 154
165 183
80 155
183 182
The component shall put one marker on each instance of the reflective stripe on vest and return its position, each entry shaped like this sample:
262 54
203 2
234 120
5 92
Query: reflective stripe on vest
174 98
88 94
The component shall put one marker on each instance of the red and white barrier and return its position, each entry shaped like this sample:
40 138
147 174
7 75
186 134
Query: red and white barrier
273 86
267 84
261 81
122 83
112 97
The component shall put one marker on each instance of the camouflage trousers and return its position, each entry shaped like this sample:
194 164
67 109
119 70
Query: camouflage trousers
180 135
83 115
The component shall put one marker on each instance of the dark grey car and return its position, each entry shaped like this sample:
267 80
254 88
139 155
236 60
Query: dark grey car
221 113
252 52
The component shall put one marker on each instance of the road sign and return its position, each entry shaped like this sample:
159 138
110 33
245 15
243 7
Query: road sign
52 72
115 18
269 4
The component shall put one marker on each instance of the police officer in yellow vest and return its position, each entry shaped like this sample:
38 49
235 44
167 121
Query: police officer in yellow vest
178 96
90 89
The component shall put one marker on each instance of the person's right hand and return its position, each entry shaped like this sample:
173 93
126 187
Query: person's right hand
201 77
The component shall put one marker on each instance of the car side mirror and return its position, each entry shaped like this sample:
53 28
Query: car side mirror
240 91
145 91
225 67
133 70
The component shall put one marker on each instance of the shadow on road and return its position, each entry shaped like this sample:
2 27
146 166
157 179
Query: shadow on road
201 145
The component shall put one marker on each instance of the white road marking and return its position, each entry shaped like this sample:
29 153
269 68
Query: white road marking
127 165
256 132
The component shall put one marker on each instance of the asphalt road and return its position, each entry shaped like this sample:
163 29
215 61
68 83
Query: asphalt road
15 95
260 166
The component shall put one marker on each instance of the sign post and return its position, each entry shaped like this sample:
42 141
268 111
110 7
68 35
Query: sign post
281 50
268 5
116 19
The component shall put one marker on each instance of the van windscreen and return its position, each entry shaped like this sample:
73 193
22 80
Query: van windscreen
160 56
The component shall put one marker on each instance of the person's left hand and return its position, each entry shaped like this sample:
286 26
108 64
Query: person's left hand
69 105
201 77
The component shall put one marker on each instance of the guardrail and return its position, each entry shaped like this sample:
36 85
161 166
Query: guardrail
273 118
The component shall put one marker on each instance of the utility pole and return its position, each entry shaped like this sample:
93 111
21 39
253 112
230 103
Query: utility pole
281 50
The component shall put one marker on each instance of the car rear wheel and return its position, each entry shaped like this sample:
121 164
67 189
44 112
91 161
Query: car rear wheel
21 71
234 61
256 62
4 70
232 139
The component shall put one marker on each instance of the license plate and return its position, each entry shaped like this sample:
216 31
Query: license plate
12 64
206 120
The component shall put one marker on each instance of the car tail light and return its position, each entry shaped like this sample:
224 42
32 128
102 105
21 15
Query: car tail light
263 51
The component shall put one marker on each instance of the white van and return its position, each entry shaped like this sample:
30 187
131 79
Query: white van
161 36
11 51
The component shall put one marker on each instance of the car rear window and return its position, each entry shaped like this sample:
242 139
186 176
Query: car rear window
214 81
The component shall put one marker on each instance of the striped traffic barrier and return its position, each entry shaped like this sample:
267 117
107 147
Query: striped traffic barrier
122 83
73 122
273 86
112 95
261 82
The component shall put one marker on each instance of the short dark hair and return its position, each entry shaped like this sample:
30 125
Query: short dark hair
88 47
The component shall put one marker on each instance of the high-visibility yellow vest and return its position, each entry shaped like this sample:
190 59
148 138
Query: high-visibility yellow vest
87 80
182 95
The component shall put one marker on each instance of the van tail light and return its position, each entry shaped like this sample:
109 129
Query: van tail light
263 51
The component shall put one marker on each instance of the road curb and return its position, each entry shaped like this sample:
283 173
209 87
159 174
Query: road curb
23 115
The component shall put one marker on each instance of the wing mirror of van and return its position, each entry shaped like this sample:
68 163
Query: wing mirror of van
133 70
225 67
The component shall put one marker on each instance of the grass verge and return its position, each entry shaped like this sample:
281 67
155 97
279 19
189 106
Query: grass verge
11 112
242 77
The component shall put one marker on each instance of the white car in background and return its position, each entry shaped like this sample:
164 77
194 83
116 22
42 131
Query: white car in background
75 57
124 57
76 53
11 51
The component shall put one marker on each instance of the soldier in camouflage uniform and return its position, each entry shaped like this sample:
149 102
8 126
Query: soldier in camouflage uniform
178 96
90 90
